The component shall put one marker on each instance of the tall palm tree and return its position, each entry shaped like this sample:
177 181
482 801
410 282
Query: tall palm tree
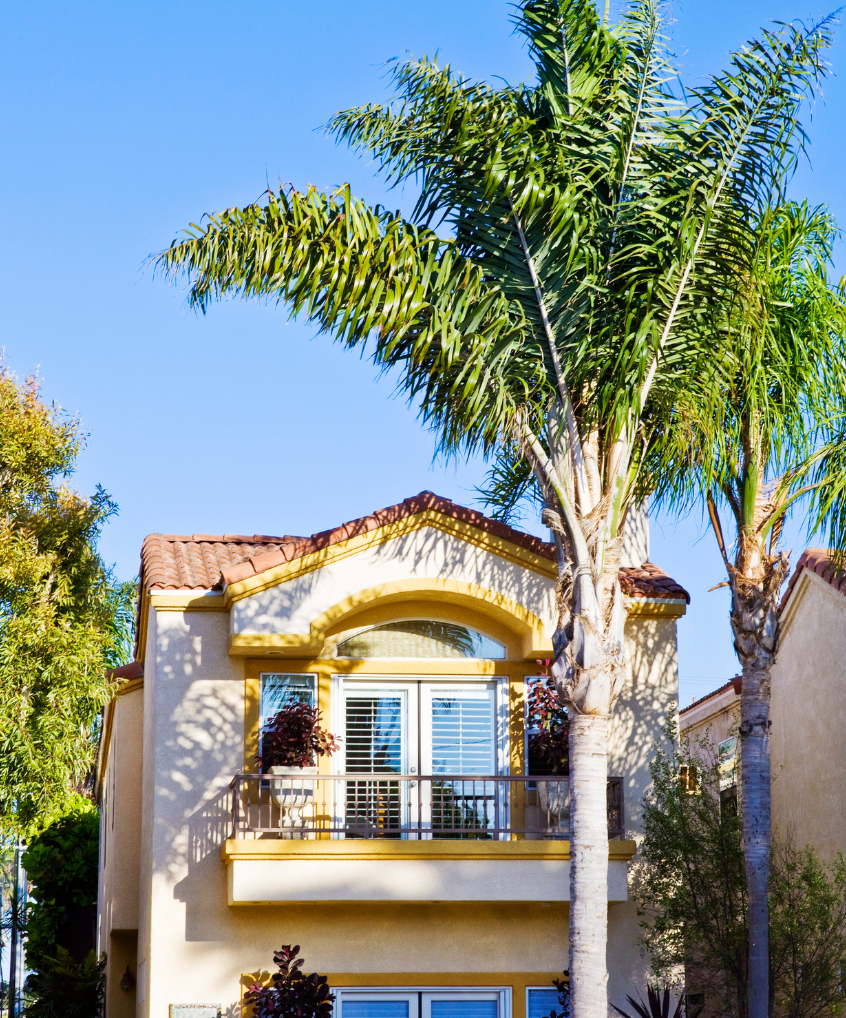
585 218
768 439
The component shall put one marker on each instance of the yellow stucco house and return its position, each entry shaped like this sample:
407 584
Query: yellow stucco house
807 710
425 872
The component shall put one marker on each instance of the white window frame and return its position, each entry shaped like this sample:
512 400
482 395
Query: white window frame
422 996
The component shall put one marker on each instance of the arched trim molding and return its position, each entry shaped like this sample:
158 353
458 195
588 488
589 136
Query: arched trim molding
485 602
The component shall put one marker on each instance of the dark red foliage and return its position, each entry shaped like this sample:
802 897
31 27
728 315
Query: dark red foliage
294 738
550 744
563 997
293 994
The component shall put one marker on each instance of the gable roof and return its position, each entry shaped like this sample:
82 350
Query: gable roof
708 696
210 561
817 560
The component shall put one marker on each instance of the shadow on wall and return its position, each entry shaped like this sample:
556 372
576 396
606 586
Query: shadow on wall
200 704
423 553
641 712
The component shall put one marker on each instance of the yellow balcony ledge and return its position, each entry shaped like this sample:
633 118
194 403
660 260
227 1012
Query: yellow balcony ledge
278 871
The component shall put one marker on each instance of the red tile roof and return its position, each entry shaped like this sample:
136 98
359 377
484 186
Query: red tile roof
818 561
210 562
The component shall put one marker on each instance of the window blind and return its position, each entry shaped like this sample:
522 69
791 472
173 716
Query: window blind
542 1003
463 732
459 1008
374 1009
373 735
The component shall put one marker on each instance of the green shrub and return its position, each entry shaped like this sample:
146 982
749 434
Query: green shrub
62 864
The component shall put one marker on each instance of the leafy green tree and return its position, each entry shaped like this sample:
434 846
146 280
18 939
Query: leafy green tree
765 439
62 864
692 893
587 220
64 620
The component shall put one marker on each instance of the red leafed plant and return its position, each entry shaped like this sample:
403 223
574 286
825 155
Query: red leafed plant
550 743
292 993
294 738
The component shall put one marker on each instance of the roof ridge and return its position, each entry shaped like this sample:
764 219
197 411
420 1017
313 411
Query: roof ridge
707 696
181 561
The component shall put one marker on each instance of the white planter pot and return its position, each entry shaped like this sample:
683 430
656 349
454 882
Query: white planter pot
293 795
554 798
295 792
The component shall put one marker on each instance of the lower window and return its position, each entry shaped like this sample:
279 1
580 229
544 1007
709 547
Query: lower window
443 1003
542 1001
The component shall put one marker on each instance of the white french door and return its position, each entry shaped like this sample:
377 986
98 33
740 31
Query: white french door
438 728
459 738
379 725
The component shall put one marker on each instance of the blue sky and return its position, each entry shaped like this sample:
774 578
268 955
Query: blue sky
124 122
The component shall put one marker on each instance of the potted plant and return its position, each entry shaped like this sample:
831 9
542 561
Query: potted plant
549 743
291 742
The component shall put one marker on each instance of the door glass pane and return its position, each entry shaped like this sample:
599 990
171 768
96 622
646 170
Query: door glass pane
373 735
543 1003
374 1009
374 745
459 1008
463 732
463 743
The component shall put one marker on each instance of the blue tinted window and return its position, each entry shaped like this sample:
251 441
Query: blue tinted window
374 1009
459 1008
542 1003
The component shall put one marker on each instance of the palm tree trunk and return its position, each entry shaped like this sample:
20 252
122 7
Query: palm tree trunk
588 865
755 785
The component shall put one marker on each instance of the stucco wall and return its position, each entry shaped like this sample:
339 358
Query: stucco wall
195 744
807 746
637 724
711 722
291 606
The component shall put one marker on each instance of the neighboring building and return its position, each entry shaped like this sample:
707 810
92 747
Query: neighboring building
808 709
423 877
807 743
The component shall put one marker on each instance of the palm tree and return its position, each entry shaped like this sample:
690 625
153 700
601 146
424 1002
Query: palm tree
769 439
587 218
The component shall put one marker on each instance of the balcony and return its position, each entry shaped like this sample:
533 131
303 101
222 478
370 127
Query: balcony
408 838
409 807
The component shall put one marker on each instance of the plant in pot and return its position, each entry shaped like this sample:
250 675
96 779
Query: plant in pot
549 743
291 742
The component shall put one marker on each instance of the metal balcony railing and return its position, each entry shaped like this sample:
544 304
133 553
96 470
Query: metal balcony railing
409 806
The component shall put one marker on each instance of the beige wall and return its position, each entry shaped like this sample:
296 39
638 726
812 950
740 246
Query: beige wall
426 553
807 744
712 721
120 842
639 717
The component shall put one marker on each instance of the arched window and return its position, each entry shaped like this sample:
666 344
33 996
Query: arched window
421 638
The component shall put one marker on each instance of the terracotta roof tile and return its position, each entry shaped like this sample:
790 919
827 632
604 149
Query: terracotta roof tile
210 561
818 561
